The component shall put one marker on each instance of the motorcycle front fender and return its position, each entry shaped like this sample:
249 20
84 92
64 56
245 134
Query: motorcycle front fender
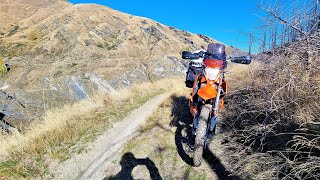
209 91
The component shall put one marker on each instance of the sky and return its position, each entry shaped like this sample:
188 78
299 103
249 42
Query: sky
224 20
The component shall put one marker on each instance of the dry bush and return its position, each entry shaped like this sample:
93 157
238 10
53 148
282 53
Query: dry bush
274 108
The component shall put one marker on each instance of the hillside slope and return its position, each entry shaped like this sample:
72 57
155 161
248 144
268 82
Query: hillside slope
63 53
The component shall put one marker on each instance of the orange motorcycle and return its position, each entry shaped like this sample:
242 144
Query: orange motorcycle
209 89
206 99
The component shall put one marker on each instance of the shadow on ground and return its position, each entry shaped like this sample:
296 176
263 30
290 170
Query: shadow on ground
217 167
184 139
6 126
129 162
183 135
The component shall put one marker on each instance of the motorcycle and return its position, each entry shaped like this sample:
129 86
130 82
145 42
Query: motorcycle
206 100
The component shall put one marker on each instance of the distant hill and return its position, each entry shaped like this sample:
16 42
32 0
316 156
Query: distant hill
68 52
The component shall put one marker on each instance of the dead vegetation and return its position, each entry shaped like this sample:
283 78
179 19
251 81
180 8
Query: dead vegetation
274 108
274 111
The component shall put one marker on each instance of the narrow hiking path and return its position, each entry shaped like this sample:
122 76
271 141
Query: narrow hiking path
91 163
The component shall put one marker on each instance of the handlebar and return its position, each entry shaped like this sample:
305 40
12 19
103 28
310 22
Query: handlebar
201 54
189 55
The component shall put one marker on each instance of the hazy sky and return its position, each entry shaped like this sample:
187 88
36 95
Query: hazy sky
224 20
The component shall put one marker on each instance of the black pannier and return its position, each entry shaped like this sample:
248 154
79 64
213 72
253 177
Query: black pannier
191 75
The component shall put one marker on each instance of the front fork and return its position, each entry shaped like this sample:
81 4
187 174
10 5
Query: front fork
213 120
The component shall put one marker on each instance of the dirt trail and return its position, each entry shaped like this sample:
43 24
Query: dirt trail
163 150
92 163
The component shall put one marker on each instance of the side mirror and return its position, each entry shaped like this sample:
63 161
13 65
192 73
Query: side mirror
189 55
242 59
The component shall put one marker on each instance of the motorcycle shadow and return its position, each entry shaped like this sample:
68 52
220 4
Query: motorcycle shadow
184 140
217 167
182 119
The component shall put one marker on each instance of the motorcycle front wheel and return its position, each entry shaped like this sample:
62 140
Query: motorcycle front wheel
201 134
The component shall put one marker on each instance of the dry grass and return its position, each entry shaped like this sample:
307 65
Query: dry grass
66 131
273 111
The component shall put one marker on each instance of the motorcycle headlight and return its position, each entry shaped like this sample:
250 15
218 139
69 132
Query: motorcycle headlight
212 73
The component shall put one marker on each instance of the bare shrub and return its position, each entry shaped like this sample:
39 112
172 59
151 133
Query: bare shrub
274 110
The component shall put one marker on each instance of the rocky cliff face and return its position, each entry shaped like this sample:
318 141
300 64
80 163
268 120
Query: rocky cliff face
61 52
